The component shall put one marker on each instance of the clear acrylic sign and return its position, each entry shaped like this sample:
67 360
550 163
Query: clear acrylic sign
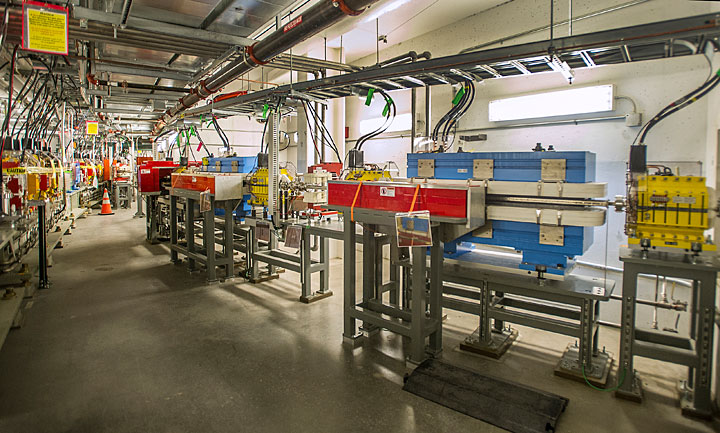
413 229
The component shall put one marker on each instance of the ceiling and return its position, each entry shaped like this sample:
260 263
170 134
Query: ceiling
167 45
400 20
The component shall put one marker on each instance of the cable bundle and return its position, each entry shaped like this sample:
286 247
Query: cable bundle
323 130
450 120
389 113
221 133
678 105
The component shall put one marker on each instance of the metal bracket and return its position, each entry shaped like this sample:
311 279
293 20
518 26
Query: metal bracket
426 168
483 169
553 170
551 235
485 232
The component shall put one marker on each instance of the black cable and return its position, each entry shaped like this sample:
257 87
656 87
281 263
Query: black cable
449 120
676 106
389 118
462 107
202 142
221 134
326 133
307 118
21 96
262 139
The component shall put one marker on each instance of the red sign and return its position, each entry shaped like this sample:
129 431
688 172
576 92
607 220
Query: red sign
292 24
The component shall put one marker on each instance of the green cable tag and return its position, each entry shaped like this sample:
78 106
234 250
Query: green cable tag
266 107
370 95
386 110
192 131
459 95
718 72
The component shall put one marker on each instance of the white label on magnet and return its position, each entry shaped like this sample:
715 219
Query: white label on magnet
387 191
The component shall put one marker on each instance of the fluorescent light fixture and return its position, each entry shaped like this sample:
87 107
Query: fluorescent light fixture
402 122
384 10
561 103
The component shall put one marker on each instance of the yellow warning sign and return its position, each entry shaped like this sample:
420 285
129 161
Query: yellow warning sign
14 170
45 28
91 128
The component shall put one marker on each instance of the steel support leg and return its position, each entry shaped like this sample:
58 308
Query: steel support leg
701 403
209 242
138 199
369 266
487 340
630 388
305 262
436 292
190 231
173 228
417 322
252 248
350 334
42 249
394 273
228 238
325 272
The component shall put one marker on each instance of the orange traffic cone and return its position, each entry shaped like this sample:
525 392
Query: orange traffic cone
106 208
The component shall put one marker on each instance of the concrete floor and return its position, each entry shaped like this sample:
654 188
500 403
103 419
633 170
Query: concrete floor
125 341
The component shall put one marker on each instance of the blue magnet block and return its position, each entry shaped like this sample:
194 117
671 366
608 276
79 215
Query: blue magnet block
244 164
524 237
508 166
241 211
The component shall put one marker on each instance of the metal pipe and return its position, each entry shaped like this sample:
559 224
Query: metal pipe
676 307
125 13
125 85
317 18
428 110
609 324
655 306
620 271
413 119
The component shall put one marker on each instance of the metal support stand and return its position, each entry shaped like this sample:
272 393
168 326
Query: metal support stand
206 252
513 298
694 352
254 256
420 319
308 266
152 222
123 195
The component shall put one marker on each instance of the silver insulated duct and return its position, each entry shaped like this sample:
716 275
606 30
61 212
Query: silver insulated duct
316 19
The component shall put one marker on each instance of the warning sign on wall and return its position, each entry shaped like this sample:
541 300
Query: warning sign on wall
91 127
45 28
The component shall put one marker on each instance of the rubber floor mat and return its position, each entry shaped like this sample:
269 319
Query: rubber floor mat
504 404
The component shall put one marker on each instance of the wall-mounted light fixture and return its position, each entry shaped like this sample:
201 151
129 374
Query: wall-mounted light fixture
580 100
